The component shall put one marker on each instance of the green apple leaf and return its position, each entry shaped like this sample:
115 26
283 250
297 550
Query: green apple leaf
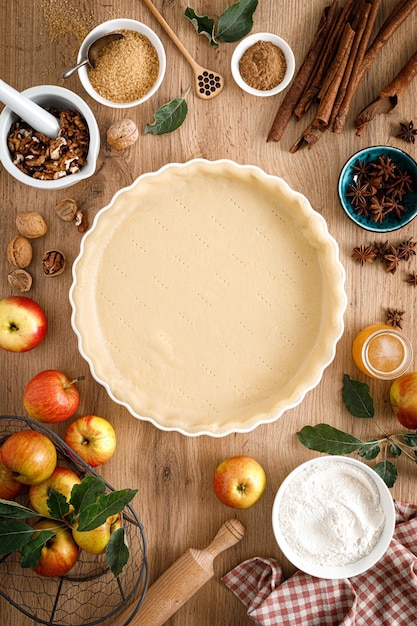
57 504
108 504
370 450
325 438
410 440
387 471
203 24
117 552
14 535
9 508
168 117
32 551
357 398
87 492
236 21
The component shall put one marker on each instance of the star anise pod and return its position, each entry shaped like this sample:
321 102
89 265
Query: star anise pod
385 167
394 317
378 210
403 181
381 248
412 279
361 169
358 193
407 132
407 249
392 205
364 254
391 259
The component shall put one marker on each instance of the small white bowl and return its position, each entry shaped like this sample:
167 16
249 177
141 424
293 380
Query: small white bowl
250 41
319 517
60 99
116 26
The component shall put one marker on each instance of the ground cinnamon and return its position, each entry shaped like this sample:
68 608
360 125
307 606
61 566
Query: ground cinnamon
263 66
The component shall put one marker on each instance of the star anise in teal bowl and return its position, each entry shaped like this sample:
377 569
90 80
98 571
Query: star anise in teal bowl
378 188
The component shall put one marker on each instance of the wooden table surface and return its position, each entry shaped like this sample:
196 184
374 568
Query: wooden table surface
173 473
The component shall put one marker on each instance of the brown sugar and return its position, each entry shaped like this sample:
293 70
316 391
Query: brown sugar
263 65
126 69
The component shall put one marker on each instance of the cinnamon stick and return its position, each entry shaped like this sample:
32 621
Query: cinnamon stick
389 96
329 48
365 60
330 88
299 83
363 15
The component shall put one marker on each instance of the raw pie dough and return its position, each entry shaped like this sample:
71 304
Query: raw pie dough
208 297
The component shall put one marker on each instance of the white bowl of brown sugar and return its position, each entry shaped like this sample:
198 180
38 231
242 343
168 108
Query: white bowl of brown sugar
128 71
263 64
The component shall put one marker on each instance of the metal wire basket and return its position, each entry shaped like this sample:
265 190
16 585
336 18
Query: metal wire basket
89 594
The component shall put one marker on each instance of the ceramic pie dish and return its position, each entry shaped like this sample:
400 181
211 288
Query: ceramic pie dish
208 297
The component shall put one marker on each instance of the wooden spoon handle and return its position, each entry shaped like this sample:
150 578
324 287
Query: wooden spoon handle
172 35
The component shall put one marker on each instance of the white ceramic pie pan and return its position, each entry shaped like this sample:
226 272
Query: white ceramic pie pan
208 297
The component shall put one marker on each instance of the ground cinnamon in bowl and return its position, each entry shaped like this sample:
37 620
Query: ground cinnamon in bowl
263 66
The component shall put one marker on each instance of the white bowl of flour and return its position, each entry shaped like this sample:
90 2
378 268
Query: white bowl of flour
333 517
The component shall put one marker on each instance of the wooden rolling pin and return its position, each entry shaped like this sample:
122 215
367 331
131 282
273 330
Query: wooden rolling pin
185 577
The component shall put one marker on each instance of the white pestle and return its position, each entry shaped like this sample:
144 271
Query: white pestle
29 111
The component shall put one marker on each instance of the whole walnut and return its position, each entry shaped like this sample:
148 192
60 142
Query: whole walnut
122 134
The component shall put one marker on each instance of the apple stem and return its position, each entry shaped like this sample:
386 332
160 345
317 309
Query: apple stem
73 381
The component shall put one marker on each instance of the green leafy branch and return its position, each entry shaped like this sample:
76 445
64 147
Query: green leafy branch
330 440
233 24
89 507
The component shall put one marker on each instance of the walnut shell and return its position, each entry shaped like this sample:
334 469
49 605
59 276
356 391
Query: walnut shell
31 224
19 251
53 262
122 134
66 209
20 279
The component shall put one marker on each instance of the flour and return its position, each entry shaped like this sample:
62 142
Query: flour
331 514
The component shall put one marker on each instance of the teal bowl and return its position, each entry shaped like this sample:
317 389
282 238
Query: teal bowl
379 217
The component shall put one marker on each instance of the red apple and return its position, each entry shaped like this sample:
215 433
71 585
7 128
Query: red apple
30 456
23 324
51 396
60 553
62 480
95 541
403 398
92 438
239 481
9 486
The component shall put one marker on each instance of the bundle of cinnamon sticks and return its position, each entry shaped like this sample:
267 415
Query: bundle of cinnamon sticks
338 59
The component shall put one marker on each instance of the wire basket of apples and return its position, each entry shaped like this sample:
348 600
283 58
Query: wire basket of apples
72 549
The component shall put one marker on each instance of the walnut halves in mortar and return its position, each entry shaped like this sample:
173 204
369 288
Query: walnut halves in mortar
19 251
53 262
31 224
122 134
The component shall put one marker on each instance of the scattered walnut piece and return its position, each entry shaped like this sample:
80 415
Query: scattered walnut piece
31 224
19 251
20 279
81 221
66 209
53 262
122 134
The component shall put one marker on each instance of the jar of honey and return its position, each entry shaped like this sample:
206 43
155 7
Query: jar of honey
381 351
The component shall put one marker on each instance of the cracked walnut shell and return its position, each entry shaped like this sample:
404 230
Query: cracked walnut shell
31 224
19 251
122 134
66 209
53 262
20 279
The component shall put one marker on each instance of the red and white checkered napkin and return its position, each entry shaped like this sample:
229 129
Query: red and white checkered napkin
385 595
